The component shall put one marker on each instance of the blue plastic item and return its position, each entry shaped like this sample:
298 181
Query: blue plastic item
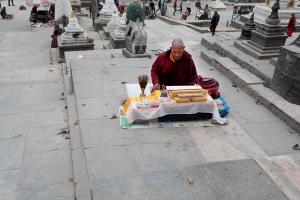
222 106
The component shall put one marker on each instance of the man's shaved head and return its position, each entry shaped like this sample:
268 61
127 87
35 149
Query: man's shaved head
177 48
177 42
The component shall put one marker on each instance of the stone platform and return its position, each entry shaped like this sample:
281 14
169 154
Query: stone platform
62 48
129 54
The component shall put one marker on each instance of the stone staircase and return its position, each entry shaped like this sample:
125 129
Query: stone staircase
251 75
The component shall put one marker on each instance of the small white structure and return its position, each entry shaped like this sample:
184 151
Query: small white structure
105 14
262 11
117 37
73 32
217 4
111 25
73 39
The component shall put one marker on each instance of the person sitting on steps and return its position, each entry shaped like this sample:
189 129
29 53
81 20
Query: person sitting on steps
3 13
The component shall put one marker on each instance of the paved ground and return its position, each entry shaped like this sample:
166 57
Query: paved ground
35 161
251 158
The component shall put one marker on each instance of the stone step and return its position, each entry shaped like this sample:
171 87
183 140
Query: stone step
285 110
256 88
53 55
232 70
238 24
246 76
255 51
227 63
261 68
93 54
78 156
208 42
273 61
112 63
208 55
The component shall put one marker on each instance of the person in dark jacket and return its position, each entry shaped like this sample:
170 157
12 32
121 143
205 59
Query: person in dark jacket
3 13
214 22
152 6
159 6
174 67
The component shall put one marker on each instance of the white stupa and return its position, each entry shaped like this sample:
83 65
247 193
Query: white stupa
114 22
119 32
105 14
73 32
217 4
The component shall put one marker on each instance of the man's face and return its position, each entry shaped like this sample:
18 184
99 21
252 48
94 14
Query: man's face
177 51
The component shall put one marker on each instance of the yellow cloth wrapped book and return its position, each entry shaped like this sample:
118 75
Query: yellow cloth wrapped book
152 97
185 96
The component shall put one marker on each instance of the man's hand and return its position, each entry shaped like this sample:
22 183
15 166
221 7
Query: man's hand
156 86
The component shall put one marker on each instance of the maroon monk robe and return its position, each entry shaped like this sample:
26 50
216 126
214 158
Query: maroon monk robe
165 72
291 26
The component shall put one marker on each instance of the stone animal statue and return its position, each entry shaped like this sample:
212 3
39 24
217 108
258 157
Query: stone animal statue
136 39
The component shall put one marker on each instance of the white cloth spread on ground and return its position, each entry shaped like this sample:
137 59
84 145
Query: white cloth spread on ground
170 107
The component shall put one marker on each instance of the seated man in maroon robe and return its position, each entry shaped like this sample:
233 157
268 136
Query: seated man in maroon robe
174 67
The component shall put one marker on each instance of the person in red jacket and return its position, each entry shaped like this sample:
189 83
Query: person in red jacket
174 67
291 25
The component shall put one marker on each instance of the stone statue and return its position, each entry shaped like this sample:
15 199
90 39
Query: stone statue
135 36
291 4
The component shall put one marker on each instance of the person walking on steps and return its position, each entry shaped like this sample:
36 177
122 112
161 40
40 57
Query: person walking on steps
11 2
214 22
291 25
159 5
175 7
180 7
188 7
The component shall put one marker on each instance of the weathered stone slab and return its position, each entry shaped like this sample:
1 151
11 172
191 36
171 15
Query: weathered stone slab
13 75
150 186
39 119
37 93
62 191
9 181
246 76
214 147
83 191
172 152
11 153
45 169
227 63
105 132
79 165
45 74
46 139
88 89
129 63
234 135
13 126
89 75
243 112
234 180
8 97
104 162
114 89
282 170
97 108
269 133
129 54
167 152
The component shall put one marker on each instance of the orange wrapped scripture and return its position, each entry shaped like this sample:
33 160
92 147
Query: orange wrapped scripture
152 97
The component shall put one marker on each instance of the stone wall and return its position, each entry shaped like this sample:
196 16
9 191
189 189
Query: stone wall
286 77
